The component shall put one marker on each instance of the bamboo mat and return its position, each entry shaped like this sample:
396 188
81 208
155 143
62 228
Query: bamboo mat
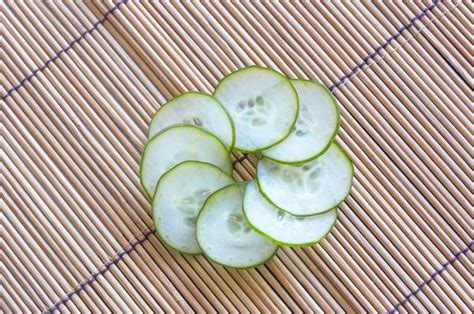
80 81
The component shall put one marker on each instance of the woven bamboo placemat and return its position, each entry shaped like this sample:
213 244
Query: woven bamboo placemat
80 81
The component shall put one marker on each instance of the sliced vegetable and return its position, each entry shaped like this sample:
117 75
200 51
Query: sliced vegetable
303 176
281 227
177 144
198 109
179 196
310 188
263 105
225 237
315 129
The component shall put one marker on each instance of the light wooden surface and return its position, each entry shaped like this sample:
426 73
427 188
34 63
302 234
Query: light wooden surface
75 220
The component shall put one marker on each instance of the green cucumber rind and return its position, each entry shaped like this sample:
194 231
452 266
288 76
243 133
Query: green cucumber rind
156 190
288 244
176 126
333 137
346 157
173 247
204 252
246 267
190 93
297 105
257 230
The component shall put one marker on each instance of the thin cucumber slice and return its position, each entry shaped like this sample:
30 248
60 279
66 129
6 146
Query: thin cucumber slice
310 188
179 196
198 109
263 105
281 227
225 237
177 144
315 129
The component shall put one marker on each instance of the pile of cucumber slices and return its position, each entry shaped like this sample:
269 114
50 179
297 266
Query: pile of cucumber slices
198 208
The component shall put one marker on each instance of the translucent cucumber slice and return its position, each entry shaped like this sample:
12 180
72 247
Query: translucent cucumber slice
198 109
225 237
310 188
262 104
281 227
315 129
177 144
179 196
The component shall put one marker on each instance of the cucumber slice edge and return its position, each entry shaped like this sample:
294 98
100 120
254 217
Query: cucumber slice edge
257 230
348 160
292 89
167 173
187 94
244 267
242 185
333 137
230 166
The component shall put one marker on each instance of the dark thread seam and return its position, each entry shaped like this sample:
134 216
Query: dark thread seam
62 51
104 269
431 278
379 48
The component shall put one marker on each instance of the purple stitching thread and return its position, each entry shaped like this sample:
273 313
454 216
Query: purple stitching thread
436 273
94 277
379 48
62 51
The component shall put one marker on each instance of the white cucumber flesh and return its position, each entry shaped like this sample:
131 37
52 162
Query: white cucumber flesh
263 105
309 188
224 235
197 109
179 196
281 227
315 129
176 144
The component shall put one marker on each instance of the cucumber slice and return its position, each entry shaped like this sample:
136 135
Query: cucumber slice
263 105
310 188
315 129
195 108
176 144
281 227
179 196
225 237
